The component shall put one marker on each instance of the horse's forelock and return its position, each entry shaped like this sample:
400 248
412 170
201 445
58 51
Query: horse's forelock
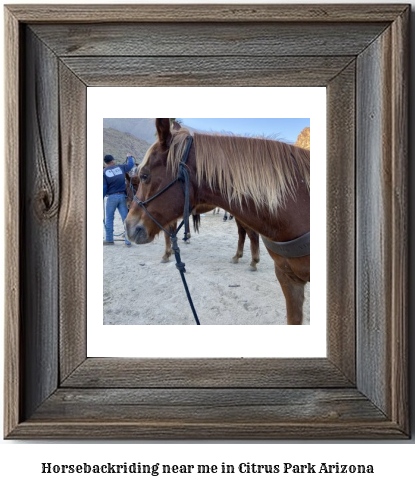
147 155
156 146
177 148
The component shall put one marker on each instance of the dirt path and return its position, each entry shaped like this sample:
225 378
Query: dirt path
140 290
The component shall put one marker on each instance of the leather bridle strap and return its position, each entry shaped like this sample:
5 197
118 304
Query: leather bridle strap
143 204
183 177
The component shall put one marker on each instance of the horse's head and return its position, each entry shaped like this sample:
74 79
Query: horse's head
156 172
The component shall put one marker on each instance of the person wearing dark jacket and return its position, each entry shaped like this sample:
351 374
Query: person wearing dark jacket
114 190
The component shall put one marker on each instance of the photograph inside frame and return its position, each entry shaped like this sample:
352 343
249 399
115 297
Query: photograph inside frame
223 204
164 273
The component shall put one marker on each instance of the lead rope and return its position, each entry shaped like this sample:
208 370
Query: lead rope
182 270
183 177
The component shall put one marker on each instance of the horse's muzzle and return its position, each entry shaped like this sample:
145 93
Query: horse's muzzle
137 234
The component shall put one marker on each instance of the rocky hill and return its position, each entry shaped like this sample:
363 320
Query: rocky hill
118 144
303 140
141 128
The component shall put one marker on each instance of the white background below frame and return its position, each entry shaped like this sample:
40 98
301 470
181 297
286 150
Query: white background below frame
206 341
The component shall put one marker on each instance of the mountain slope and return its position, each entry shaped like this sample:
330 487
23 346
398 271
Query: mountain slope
118 144
141 128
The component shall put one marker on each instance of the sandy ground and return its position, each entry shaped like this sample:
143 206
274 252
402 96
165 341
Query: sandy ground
140 290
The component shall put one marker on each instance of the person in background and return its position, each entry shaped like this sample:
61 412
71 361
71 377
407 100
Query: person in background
114 189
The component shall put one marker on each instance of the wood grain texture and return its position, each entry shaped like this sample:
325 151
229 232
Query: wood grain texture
206 13
211 405
206 373
382 222
400 262
213 431
40 177
373 224
341 236
227 39
207 71
72 222
13 382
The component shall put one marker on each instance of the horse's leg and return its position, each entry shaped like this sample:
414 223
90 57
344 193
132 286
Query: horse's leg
189 235
241 242
168 251
254 238
293 289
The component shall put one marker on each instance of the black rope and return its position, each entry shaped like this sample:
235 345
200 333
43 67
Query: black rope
181 267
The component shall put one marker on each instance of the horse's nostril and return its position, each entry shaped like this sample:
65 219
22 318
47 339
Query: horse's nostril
137 234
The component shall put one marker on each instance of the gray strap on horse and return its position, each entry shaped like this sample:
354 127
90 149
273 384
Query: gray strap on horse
296 248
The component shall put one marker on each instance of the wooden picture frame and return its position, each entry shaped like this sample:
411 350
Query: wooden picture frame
360 53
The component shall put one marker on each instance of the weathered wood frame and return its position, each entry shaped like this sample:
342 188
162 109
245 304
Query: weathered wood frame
359 52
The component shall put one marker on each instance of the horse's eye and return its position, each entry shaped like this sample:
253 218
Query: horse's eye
144 177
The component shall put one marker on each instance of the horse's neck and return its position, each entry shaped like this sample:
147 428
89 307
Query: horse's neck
290 222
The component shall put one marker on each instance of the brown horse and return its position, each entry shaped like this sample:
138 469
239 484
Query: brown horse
131 186
262 182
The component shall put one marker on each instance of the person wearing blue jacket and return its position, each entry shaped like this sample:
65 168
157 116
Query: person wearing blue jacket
114 189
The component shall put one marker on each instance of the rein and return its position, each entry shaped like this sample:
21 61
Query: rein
183 178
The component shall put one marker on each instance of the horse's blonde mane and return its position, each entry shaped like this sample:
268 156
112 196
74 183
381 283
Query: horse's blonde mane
261 169
146 157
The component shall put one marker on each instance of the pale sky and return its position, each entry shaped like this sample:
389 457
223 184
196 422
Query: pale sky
286 130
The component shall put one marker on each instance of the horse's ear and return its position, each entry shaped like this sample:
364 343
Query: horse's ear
163 131
176 125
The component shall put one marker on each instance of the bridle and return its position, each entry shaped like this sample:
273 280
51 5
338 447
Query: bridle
130 188
182 178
